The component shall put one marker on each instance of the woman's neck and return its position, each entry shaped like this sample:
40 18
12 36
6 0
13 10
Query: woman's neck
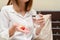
20 8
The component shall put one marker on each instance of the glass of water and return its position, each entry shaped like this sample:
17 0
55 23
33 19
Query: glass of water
35 18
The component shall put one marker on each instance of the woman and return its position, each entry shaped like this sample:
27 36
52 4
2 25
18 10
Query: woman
19 13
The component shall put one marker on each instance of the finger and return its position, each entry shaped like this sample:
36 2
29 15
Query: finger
41 15
23 31
15 24
42 24
20 30
40 21
33 17
41 18
26 31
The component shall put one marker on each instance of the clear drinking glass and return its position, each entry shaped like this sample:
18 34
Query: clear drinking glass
35 18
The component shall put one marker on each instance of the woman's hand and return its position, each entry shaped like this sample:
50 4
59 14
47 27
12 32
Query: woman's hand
22 29
12 30
41 22
19 28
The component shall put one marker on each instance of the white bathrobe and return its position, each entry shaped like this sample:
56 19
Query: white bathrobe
9 16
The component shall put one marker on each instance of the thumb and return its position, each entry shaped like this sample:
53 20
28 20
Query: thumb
15 25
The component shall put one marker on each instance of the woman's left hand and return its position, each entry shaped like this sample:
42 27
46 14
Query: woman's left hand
41 22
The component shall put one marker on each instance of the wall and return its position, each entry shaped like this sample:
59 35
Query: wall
3 3
47 5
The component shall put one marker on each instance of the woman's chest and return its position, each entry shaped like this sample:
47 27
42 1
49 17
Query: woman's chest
26 21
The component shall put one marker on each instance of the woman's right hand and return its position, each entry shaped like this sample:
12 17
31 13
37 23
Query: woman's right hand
12 30
22 29
16 27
